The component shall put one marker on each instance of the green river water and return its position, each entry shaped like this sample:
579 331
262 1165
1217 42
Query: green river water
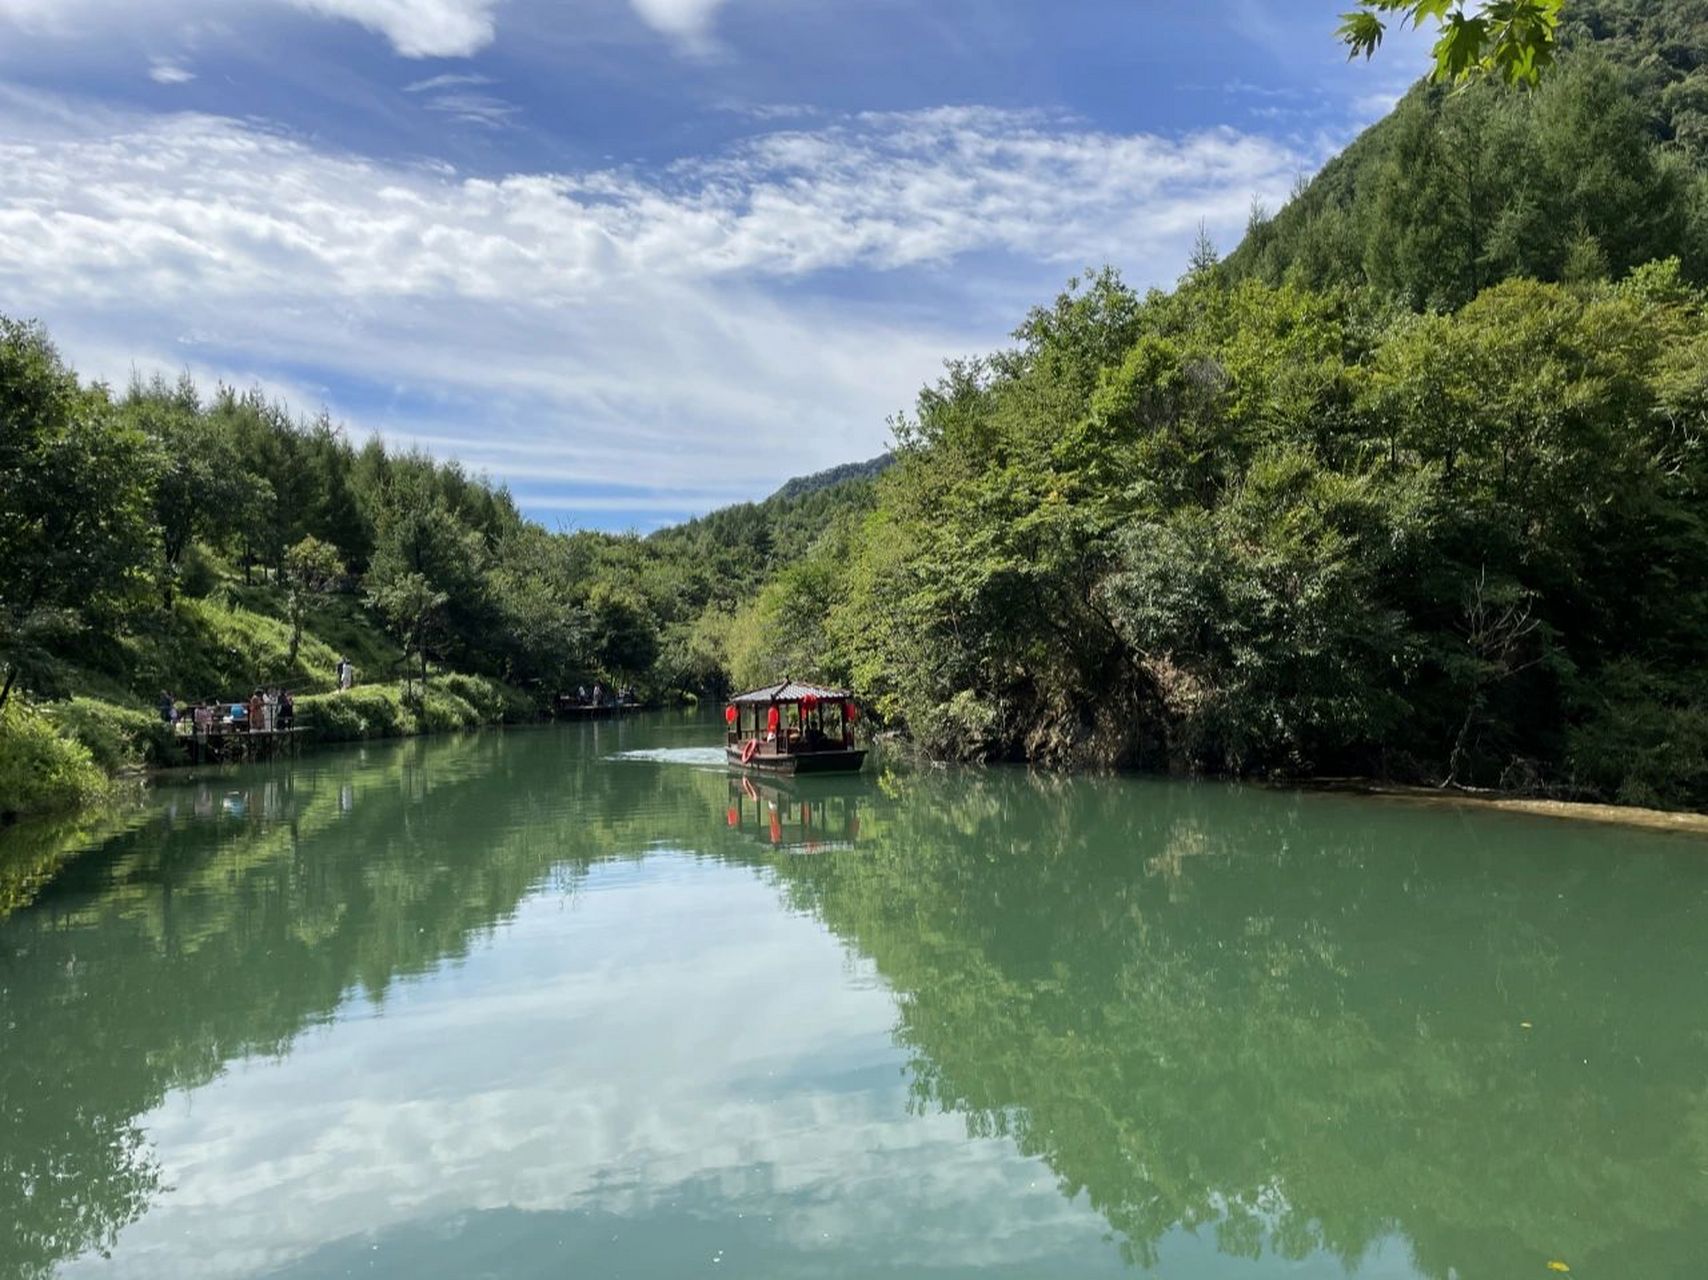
574 1002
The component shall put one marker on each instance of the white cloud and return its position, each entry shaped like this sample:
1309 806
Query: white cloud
686 20
165 71
656 329
416 28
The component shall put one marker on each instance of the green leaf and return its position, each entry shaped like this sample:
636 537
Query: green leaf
1362 32
1459 52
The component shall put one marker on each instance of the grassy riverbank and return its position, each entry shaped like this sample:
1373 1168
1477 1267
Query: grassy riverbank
63 757
65 754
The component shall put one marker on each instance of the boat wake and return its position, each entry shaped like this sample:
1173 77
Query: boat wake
699 757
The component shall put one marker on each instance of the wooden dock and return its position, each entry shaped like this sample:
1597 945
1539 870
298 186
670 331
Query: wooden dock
568 708
226 744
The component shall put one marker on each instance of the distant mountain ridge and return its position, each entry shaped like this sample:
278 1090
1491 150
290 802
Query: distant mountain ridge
801 486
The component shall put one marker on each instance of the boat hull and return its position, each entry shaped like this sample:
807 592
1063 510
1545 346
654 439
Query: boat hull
795 765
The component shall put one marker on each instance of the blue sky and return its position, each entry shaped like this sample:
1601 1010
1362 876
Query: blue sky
633 258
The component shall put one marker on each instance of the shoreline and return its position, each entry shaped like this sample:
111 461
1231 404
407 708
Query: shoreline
35 847
1675 822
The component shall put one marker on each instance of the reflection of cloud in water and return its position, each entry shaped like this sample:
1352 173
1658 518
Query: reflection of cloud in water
699 757
667 1042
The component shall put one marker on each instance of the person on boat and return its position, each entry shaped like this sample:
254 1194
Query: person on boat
257 712
287 709
598 694
581 694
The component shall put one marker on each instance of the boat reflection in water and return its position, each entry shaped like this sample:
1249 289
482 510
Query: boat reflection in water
820 815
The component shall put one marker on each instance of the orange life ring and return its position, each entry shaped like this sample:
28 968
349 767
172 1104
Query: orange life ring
748 748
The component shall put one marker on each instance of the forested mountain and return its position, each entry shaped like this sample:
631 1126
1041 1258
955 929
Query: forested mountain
1601 168
801 486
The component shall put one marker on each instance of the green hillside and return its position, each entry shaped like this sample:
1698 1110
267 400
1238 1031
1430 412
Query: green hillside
1601 168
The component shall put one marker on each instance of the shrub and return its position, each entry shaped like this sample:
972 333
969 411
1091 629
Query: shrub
372 711
199 574
116 737
494 701
42 770
453 702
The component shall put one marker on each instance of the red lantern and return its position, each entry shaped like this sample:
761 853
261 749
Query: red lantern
772 720
809 701
850 712
733 816
730 714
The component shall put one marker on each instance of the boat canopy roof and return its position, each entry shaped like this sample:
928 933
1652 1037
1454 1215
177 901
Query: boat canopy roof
790 691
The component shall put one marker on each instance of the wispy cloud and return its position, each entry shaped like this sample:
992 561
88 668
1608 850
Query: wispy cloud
458 95
484 109
625 320
166 71
450 80
769 111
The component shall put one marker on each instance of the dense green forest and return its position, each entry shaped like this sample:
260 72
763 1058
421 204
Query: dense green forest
1410 485
1242 527
167 540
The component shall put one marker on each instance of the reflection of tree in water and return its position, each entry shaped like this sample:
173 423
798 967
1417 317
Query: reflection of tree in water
199 939
1294 1023
1298 1022
252 908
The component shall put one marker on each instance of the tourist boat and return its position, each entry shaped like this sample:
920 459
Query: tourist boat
793 728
